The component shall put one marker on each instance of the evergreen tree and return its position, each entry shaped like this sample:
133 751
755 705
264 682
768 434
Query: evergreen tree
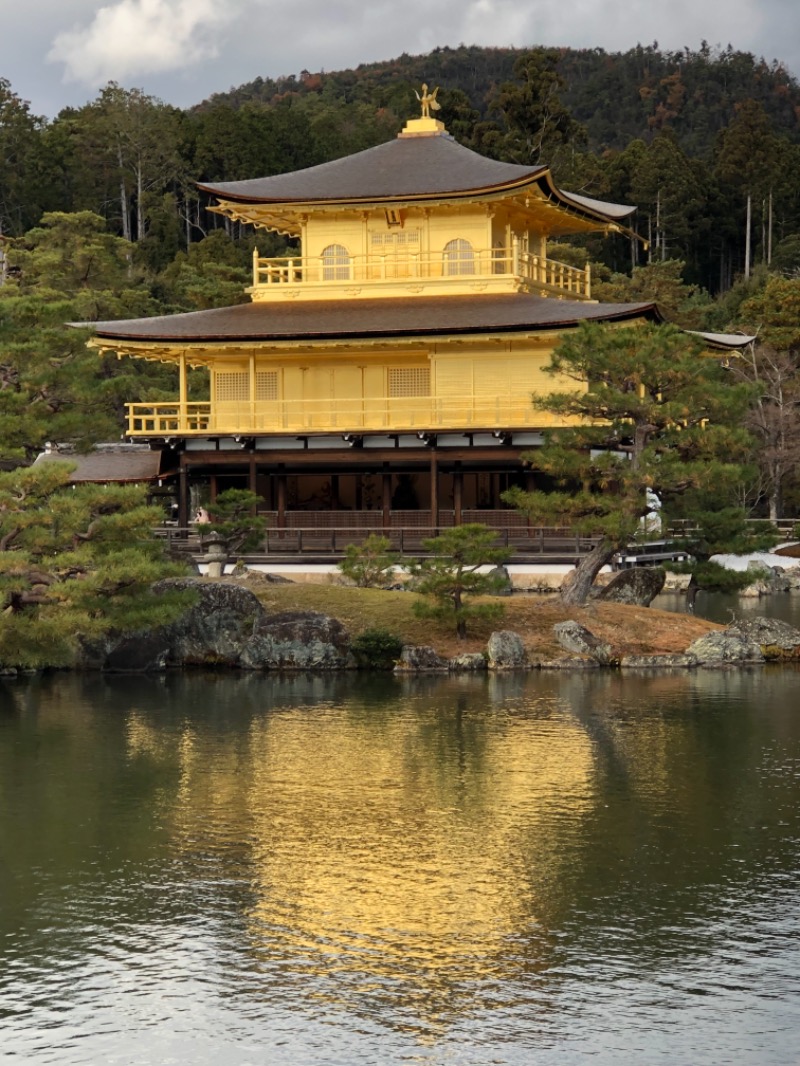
535 121
69 269
234 521
75 562
370 564
452 574
23 169
662 283
647 413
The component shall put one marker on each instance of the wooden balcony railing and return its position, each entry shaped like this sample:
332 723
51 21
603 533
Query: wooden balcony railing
307 534
375 414
537 271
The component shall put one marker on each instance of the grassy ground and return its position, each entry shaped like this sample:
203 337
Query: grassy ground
629 630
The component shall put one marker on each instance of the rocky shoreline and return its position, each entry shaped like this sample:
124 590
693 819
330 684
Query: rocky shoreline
229 628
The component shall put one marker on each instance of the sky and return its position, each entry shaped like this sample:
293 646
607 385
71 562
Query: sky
60 53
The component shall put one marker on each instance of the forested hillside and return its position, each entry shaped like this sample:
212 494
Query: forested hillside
100 217
616 96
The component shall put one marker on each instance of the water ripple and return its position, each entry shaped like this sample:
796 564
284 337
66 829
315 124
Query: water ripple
523 871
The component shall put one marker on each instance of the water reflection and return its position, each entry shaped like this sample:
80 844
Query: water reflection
459 864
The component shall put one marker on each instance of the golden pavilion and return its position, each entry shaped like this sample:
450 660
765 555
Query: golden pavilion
381 376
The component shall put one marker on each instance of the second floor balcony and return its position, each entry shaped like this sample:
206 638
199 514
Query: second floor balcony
459 268
388 414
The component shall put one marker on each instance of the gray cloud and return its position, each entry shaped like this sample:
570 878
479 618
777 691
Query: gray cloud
130 38
61 53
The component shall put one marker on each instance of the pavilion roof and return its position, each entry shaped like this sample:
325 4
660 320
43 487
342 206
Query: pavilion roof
406 169
416 316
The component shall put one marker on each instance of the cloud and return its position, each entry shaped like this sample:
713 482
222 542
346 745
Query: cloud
134 37
184 50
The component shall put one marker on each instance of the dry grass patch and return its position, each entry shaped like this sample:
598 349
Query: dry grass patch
629 630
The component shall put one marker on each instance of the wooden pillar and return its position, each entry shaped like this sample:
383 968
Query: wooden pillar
251 471
183 494
434 488
281 485
213 489
386 498
458 493
335 504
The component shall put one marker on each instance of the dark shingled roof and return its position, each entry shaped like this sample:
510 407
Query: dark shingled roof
416 316
108 466
405 168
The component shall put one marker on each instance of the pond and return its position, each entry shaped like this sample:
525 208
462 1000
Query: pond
367 870
726 608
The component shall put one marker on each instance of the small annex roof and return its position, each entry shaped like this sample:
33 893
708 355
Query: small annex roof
407 169
107 464
323 320
726 341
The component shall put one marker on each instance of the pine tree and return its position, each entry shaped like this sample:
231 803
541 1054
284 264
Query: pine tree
75 562
453 573
648 412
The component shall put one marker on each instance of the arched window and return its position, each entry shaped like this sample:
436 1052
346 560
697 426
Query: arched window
459 257
335 263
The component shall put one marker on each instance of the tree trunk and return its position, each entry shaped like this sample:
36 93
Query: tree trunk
691 594
126 218
140 220
123 196
577 585
775 504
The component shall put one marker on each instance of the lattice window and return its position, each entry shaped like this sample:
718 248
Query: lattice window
335 263
266 384
410 381
459 258
397 239
232 386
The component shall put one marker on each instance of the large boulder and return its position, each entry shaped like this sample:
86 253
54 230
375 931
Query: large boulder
467 662
637 586
721 648
574 637
777 639
216 629
298 640
766 580
420 659
506 651
210 633
226 627
143 652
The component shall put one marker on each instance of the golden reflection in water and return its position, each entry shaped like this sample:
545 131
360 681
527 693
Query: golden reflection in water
413 846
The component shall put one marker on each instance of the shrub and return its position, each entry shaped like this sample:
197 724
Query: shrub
370 564
376 649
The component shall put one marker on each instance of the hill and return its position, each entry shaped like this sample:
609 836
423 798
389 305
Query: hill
617 96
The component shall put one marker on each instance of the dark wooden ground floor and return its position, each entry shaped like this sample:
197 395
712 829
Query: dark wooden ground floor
380 489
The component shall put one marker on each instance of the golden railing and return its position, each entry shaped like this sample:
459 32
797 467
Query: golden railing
537 270
374 413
